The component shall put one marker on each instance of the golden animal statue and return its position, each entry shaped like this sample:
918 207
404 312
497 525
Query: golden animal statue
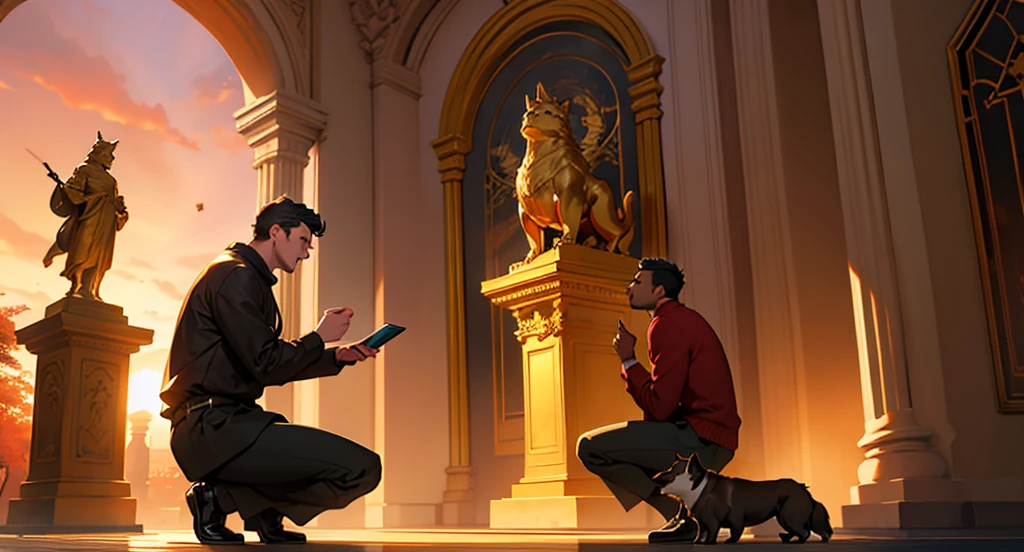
95 213
556 190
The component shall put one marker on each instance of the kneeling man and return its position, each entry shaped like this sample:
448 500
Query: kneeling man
687 398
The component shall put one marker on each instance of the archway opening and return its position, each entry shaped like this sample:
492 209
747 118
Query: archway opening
153 76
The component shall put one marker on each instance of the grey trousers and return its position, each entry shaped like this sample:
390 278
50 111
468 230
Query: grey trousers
298 471
627 455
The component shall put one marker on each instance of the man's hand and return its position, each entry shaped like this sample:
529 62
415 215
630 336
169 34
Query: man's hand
354 353
334 324
624 343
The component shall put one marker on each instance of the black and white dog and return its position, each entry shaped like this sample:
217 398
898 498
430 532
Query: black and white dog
716 501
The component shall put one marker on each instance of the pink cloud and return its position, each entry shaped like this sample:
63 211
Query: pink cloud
5 86
137 262
93 8
217 86
35 51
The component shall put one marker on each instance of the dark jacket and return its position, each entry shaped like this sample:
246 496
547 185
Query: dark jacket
227 344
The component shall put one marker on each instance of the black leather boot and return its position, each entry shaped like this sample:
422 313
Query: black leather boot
679 529
207 517
268 525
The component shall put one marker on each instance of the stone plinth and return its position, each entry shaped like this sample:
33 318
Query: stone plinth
76 479
567 302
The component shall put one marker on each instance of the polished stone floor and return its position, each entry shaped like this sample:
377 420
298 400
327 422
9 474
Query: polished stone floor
322 540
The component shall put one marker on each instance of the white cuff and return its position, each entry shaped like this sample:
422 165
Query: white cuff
628 363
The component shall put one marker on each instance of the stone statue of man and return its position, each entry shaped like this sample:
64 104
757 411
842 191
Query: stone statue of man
95 213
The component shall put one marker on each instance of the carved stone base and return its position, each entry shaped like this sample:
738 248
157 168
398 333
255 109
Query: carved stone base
72 513
76 463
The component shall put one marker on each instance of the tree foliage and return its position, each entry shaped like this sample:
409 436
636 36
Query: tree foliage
15 401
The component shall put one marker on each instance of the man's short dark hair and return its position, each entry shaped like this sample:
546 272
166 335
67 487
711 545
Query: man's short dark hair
288 215
666 274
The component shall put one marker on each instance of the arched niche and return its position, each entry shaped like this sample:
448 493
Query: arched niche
467 89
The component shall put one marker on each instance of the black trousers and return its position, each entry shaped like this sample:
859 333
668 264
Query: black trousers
628 455
297 471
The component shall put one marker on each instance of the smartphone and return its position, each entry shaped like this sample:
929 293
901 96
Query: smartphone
385 333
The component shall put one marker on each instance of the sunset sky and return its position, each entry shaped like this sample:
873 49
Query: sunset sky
143 72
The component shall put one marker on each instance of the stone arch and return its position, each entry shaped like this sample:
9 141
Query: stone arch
409 39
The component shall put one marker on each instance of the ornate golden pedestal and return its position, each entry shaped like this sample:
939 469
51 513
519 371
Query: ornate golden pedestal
76 479
567 302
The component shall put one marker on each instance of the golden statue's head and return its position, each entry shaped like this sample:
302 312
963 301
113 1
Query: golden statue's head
545 117
102 151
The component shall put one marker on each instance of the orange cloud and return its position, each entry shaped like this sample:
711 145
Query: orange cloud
228 138
124 274
169 289
195 262
35 51
34 296
24 244
5 86
135 261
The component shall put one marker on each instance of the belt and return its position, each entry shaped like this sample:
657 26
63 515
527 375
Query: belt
198 403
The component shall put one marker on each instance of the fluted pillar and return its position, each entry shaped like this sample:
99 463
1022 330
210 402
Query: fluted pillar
458 494
806 350
904 481
281 128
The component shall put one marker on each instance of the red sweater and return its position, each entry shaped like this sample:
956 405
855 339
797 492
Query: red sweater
691 380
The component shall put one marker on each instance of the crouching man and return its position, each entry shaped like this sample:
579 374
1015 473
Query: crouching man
687 398
226 350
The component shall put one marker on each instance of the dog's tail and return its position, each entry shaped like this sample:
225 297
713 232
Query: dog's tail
820 521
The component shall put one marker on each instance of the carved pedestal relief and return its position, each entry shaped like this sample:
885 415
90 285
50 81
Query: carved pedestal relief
48 411
96 403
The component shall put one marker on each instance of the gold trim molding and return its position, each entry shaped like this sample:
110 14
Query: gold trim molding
465 92
539 325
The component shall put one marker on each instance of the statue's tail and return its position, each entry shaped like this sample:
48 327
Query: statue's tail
625 215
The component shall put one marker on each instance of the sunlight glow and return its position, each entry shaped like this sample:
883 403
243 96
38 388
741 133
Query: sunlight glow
862 343
144 392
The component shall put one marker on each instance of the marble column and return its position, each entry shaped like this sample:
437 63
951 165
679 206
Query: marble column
806 347
904 480
281 128
458 494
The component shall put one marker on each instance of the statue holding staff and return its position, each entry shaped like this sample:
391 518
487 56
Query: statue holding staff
94 213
